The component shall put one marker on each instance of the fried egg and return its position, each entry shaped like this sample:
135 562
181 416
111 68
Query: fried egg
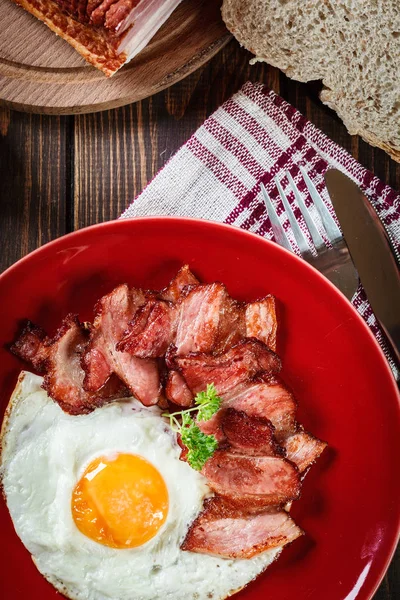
102 502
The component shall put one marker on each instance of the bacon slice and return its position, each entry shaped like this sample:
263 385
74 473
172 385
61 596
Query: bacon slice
268 480
112 313
154 326
182 279
197 318
220 531
269 399
31 345
101 359
64 374
227 370
177 391
303 449
151 330
204 319
209 320
261 321
249 435
107 33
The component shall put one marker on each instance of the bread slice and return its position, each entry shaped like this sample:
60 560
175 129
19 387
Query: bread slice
352 46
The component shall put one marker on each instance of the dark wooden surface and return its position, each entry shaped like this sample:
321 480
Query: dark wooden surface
58 174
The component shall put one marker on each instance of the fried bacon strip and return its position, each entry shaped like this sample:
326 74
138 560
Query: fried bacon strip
261 321
240 364
249 435
270 480
265 399
268 398
182 279
303 449
101 358
177 391
151 331
32 345
154 327
64 375
220 530
59 359
204 318
209 320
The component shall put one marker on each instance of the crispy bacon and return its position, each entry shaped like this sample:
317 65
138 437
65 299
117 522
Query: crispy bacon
303 449
269 399
64 374
274 480
112 313
101 359
154 326
214 425
209 320
261 321
31 345
227 370
177 391
204 319
221 531
151 330
182 279
249 435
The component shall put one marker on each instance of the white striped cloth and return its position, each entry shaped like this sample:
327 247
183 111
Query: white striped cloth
254 137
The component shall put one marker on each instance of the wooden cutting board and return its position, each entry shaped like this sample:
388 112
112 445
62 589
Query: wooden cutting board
41 73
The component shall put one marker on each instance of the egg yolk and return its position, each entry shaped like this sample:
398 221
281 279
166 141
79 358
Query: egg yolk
120 502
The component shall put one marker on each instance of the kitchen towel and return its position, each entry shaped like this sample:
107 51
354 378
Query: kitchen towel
253 138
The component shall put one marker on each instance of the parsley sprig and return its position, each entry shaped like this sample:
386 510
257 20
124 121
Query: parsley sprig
200 445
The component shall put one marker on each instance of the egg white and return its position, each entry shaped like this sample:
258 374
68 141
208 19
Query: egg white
45 452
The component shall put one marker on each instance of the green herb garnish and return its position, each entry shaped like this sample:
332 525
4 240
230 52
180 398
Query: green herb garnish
201 446
208 402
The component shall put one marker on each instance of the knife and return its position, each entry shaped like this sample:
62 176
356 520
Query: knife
371 251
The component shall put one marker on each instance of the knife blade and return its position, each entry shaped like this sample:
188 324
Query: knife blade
371 251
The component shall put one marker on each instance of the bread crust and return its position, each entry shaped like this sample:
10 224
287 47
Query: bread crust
329 41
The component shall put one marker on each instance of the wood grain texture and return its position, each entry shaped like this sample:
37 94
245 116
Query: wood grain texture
63 173
42 73
33 167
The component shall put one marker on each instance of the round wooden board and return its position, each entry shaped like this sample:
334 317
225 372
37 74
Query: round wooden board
41 73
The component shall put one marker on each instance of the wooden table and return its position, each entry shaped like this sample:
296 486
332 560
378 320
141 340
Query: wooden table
58 174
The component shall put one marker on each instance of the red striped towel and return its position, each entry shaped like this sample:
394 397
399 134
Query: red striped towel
254 137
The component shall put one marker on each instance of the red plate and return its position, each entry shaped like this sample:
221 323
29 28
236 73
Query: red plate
351 499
